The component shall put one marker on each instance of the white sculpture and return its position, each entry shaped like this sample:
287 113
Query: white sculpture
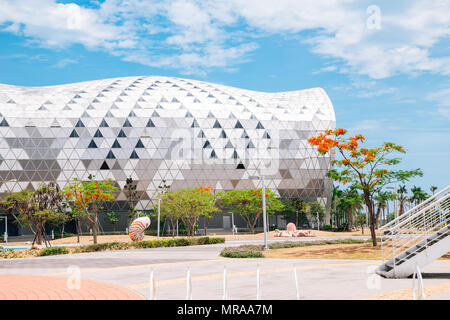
138 227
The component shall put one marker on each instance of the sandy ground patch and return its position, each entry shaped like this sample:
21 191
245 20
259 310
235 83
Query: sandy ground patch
358 251
407 294
126 238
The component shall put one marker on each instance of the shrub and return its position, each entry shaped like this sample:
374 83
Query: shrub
8 253
208 240
51 251
103 246
245 251
327 227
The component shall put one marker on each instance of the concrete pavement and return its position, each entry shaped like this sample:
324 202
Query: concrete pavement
130 269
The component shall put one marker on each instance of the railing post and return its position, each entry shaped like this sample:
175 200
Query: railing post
420 288
224 284
258 294
188 285
296 283
152 295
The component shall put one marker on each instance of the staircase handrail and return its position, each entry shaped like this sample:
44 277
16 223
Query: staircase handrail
423 221
411 212
418 213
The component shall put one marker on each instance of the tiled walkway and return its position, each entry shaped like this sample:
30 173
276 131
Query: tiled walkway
28 287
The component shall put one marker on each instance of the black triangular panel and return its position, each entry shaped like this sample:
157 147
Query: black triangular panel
104 124
127 123
104 166
223 134
79 124
240 166
92 144
116 144
206 145
134 155
74 134
97 134
110 155
139 144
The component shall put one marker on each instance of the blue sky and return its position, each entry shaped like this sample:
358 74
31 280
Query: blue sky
385 66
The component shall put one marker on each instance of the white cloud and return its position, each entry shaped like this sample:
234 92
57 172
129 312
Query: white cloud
192 34
442 99
64 62
375 92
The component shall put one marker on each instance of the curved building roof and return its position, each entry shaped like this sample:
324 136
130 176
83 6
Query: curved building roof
154 128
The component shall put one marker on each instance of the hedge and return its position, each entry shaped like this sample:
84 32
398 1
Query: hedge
244 251
176 242
51 251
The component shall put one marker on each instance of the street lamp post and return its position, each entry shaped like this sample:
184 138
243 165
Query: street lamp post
159 215
6 230
264 208
6 217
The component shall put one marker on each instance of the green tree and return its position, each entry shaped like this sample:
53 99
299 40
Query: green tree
89 197
418 195
433 189
187 205
112 217
350 200
402 197
293 210
382 199
315 209
132 198
248 204
366 168
36 208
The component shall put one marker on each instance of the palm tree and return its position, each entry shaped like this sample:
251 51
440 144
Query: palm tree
335 200
418 195
382 199
349 201
402 197
433 189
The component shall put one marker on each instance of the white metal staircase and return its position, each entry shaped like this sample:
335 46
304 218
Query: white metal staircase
417 237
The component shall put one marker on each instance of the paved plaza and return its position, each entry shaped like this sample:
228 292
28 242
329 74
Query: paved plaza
125 275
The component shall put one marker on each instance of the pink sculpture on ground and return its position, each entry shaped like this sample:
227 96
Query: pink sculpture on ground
291 227
291 231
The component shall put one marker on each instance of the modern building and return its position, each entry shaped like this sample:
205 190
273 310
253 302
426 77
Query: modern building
157 130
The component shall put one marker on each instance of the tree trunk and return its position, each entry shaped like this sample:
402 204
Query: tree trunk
77 222
349 218
94 228
377 216
361 222
369 205
38 236
205 225
296 219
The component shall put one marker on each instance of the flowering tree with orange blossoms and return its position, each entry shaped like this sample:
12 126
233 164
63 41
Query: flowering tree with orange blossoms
366 169
88 198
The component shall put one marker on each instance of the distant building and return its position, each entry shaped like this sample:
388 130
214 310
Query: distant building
189 133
